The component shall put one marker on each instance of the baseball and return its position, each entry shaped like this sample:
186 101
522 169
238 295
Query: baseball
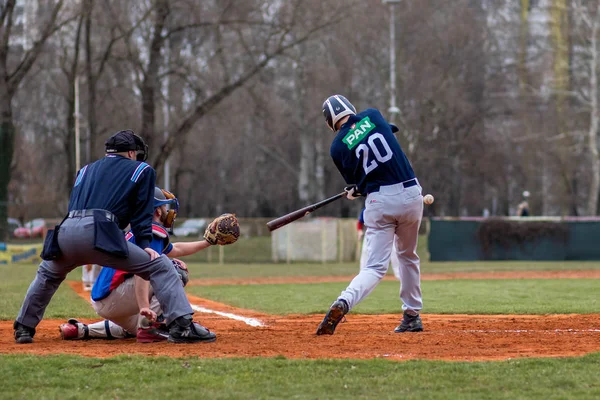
428 199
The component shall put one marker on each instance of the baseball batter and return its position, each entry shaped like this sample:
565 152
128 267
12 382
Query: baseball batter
371 161
128 302
108 195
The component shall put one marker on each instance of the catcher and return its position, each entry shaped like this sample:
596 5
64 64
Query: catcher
127 302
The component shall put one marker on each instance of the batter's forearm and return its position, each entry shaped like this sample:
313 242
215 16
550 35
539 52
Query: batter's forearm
183 249
142 292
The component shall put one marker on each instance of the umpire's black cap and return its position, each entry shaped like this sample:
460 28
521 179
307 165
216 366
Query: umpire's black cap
127 141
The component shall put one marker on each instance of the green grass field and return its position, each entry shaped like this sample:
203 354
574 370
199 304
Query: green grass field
528 296
134 377
68 377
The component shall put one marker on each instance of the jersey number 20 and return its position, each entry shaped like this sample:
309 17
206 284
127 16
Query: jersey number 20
364 149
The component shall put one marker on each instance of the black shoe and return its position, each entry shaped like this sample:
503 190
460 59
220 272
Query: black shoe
184 330
410 323
23 334
332 318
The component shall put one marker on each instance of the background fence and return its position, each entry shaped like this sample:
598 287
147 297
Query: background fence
514 238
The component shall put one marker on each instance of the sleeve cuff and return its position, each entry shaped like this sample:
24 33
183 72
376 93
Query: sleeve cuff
142 243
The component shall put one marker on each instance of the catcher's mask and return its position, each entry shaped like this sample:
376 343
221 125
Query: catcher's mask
164 197
335 108
127 141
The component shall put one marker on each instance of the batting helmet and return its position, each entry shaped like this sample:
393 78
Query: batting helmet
335 108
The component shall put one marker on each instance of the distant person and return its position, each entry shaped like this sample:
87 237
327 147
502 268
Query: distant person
523 208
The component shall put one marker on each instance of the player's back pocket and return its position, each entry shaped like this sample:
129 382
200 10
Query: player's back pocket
108 238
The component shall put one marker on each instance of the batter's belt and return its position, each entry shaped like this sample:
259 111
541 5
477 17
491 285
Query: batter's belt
393 188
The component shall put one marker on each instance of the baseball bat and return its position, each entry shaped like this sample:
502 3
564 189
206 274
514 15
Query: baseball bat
295 215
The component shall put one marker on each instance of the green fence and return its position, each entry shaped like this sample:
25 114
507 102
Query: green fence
542 239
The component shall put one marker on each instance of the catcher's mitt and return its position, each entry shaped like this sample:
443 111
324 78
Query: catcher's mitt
225 229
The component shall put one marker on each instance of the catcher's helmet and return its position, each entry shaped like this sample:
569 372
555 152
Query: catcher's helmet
335 108
163 197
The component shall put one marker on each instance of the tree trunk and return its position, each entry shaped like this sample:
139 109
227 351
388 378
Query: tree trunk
305 178
7 128
456 188
7 136
69 142
92 118
151 83
320 168
9 83
594 119
523 42
70 117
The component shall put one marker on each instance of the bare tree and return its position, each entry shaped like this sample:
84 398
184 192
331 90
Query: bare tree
11 75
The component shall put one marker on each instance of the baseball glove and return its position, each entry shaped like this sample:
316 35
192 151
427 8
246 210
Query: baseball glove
225 229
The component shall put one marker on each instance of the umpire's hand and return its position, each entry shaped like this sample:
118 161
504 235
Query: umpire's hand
153 254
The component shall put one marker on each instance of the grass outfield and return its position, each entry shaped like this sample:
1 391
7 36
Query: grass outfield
68 377
503 296
524 296
73 377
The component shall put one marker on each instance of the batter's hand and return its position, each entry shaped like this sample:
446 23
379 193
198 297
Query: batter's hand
153 254
352 192
148 313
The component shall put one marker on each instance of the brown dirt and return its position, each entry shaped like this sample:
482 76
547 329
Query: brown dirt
446 337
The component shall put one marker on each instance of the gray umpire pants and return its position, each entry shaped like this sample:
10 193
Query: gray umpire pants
392 214
76 241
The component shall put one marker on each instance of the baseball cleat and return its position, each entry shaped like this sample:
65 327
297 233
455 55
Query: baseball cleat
333 317
23 334
184 330
156 332
73 330
410 323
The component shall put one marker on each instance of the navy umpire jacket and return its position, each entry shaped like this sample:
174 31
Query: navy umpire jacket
122 186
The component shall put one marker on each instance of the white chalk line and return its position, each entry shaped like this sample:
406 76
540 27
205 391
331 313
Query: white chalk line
248 321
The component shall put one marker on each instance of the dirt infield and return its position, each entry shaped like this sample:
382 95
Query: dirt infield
447 337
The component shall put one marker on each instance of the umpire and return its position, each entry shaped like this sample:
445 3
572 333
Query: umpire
108 195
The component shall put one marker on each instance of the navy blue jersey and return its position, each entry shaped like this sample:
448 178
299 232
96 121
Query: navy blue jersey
122 186
367 154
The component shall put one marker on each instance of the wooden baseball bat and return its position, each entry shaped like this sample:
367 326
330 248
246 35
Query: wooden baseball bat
295 215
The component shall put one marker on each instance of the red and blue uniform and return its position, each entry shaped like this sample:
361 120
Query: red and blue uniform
110 278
